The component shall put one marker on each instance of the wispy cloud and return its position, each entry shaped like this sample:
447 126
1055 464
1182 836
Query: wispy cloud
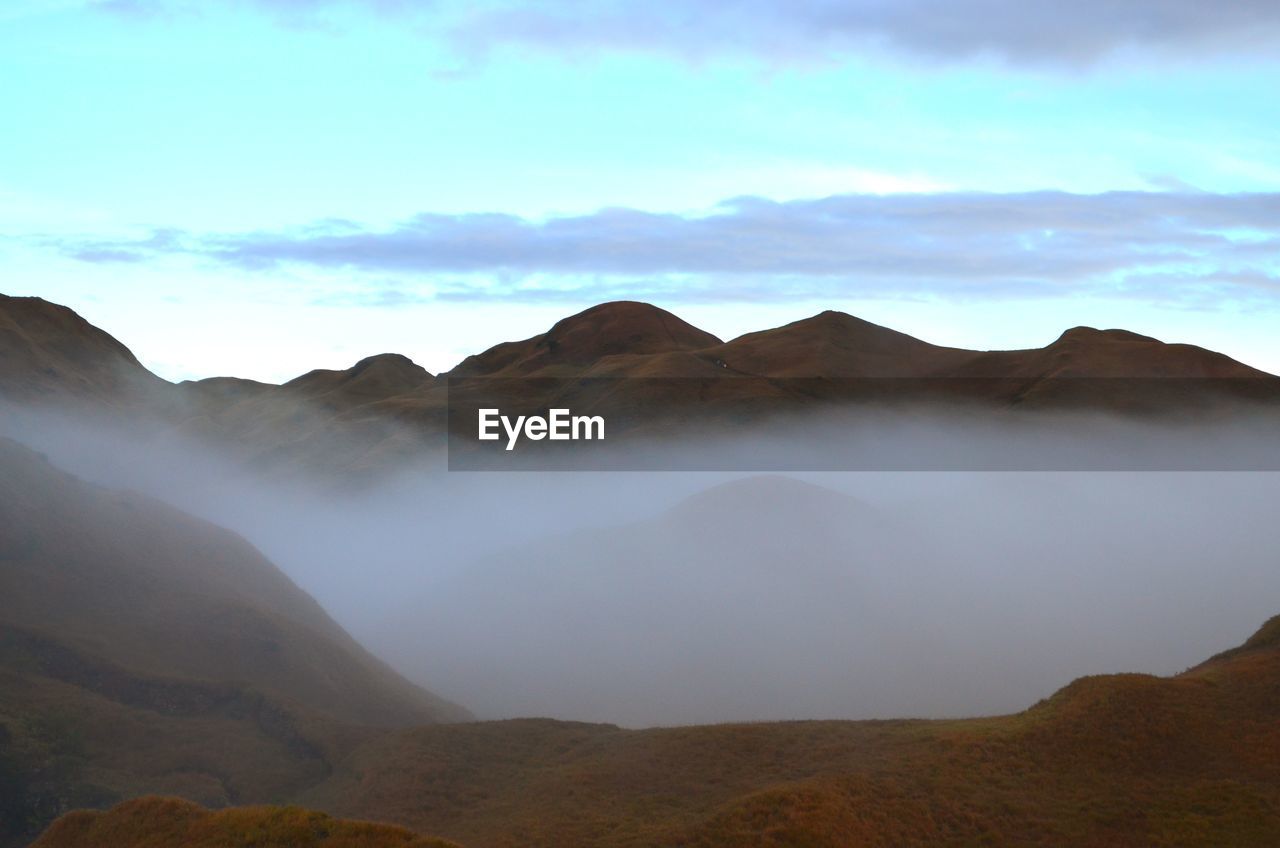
1168 246
1020 32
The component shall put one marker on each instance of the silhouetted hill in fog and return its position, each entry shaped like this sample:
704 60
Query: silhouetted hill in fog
143 650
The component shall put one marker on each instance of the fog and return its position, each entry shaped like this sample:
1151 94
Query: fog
644 598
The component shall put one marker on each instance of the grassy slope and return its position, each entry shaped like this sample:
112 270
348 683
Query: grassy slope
168 822
144 651
48 352
1109 760
125 578
1112 760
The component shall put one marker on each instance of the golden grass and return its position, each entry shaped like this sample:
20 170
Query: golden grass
1110 760
1116 760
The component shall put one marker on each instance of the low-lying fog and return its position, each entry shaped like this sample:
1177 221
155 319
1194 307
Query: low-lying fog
666 598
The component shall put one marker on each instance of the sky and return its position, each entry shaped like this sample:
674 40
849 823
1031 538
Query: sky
262 187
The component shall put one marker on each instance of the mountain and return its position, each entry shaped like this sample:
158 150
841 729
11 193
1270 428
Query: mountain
649 373
836 345
135 581
1084 352
370 380
712 610
385 411
618 329
49 353
142 649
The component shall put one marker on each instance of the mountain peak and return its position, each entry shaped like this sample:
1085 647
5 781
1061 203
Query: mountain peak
47 350
379 376
1092 334
625 326
389 363
621 327
834 344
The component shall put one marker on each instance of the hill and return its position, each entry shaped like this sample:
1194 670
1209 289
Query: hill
143 650
713 610
49 353
1109 760
383 412
627 329
159 592
835 345
167 822
648 372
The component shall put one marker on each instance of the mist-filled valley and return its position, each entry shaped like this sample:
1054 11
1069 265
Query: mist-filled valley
680 597
680 424
1039 573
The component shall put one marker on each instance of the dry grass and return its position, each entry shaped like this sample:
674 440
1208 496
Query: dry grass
170 822
1112 760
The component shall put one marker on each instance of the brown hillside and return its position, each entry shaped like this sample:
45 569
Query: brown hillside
1123 760
644 369
145 651
620 328
158 592
374 378
381 413
1086 352
833 344
49 353
170 822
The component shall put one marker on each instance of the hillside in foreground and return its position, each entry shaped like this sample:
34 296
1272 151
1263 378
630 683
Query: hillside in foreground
168 822
1115 760
1109 760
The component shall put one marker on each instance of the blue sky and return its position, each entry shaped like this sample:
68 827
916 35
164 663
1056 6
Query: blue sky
258 187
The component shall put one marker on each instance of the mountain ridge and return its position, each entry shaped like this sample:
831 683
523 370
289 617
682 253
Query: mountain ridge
613 328
650 373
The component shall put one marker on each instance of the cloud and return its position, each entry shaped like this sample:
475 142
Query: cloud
1169 246
1020 32
1025 32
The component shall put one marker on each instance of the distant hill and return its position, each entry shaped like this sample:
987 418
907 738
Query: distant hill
836 345
143 650
645 369
688 612
381 413
624 328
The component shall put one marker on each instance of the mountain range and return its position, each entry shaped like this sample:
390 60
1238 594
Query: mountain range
646 370
162 682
